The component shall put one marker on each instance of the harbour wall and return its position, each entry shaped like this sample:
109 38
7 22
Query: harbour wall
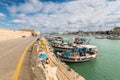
6 34
64 72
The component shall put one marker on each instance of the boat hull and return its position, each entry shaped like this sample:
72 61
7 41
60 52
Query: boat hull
62 49
79 59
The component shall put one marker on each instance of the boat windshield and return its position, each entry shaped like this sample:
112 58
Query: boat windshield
80 51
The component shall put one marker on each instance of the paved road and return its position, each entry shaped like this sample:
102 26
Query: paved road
10 53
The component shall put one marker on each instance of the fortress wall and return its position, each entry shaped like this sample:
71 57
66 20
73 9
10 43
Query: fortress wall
12 34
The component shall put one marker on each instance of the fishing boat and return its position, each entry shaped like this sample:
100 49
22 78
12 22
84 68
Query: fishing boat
62 46
54 38
67 46
100 37
79 40
114 37
80 54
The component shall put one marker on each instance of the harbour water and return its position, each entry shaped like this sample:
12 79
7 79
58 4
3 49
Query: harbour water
107 64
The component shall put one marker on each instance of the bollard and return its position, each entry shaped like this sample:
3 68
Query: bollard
36 47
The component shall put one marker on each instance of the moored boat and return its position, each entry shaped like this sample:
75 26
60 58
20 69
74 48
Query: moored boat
79 40
114 37
62 46
54 38
80 54
100 37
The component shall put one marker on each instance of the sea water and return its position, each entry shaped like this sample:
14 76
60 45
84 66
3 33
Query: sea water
106 66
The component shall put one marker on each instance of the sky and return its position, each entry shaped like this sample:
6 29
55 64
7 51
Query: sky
60 15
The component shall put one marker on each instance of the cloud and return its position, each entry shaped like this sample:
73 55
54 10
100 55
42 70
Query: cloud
71 15
17 21
2 16
31 6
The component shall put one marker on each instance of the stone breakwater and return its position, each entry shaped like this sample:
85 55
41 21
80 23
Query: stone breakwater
6 34
63 72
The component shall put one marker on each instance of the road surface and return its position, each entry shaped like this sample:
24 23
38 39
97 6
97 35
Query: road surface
10 53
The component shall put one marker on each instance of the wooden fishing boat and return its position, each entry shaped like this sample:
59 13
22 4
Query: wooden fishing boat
100 37
79 40
83 53
114 38
66 46
62 48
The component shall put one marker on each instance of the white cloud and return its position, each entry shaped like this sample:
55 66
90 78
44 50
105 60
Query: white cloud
31 6
17 21
2 16
78 14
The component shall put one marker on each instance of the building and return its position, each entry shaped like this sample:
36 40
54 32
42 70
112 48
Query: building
116 31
